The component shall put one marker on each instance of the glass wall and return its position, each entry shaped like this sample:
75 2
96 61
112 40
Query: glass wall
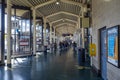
24 36
20 34
38 37
47 36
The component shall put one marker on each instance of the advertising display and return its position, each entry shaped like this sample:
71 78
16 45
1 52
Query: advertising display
0 31
24 43
112 45
0 48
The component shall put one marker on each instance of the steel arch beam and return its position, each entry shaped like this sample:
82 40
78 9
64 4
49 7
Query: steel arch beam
62 12
64 19
64 1
64 24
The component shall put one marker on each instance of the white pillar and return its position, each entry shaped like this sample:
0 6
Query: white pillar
34 31
79 30
82 10
83 39
45 31
51 38
9 45
54 35
78 22
50 33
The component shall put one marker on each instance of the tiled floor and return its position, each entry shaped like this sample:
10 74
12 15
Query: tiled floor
56 66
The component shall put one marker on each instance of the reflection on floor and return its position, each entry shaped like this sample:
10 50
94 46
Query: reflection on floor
55 66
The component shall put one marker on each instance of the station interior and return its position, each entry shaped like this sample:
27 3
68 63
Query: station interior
59 39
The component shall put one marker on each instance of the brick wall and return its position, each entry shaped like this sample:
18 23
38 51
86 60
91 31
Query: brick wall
105 14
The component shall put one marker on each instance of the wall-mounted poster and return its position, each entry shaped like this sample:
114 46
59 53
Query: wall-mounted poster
113 36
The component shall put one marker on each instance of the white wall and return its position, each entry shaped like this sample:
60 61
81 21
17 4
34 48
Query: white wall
105 14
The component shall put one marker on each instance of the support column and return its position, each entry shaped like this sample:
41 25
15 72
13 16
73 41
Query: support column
82 29
83 39
31 42
51 45
42 32
79 23
2 33
45 31
50 33
79 32
9 47
54 36
34 31
14 49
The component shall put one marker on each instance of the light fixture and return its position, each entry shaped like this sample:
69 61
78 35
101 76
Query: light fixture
57 2
63 20
107 0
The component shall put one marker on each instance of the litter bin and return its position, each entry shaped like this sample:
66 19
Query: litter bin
81 56
45 49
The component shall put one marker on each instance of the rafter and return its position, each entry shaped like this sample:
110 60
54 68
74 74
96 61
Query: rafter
39 13
62 20
61 31
69 28
56 21
65 24
46 3
72 2
62 12
64 30
27 2
71 20
64 1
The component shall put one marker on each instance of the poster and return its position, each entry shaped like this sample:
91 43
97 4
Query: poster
113 45
0 48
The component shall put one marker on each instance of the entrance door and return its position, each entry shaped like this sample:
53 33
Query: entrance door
103 53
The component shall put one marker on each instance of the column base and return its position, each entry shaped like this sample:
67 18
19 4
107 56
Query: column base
2 64
36 56
9 65
50 50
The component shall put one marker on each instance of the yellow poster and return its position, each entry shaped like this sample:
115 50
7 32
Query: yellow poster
92 49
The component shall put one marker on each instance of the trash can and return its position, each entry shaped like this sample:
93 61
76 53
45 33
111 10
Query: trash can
81 56
45 49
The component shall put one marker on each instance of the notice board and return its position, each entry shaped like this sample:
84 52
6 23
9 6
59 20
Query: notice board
113 45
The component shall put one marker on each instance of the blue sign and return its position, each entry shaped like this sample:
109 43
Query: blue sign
113 45
111 42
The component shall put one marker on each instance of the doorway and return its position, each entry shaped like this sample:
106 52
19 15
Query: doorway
103 53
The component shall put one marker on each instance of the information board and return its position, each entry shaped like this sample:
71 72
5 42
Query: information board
92 49
113 45
0 48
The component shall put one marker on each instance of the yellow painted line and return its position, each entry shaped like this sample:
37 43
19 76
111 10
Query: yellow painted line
9 68
82 67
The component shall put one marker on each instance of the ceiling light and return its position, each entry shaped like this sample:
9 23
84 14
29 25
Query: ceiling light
63 20
107 0
57 2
